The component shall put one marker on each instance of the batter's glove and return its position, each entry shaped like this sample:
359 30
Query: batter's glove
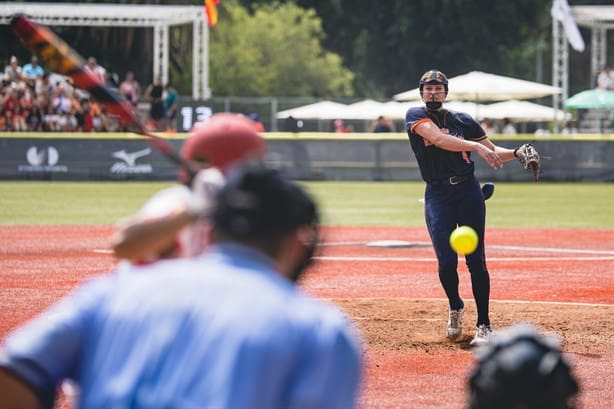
529 159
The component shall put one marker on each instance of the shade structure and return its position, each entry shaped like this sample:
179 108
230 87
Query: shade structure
471 108
367 109
595 98
317 110
481 86
370 109
522 111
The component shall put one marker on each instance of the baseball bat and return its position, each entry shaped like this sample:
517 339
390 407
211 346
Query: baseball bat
58 57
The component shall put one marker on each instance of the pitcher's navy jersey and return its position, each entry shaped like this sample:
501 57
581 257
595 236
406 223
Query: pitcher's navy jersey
435 163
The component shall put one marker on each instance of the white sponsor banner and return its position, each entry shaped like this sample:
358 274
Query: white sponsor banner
42 160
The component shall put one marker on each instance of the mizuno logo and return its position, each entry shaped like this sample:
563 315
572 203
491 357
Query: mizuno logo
130 158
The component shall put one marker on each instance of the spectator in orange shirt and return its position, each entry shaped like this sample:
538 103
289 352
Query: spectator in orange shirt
340 126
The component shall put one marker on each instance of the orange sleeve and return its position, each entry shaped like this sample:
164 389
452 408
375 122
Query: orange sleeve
418 122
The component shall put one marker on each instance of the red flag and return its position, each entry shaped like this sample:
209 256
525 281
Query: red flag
211 11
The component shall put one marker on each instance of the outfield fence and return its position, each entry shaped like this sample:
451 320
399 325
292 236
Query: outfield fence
305 156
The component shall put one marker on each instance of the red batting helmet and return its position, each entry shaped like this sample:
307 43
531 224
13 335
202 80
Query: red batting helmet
223 139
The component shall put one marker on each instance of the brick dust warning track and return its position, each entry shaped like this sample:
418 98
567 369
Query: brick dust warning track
559 280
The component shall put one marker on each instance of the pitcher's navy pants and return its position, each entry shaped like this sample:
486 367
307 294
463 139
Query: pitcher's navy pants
446 207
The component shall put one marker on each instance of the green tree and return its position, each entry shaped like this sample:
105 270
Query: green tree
275 50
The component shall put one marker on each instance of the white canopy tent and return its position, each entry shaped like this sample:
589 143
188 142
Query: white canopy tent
367 109
317 110
370 109
480 86
471 108
158 17
522 111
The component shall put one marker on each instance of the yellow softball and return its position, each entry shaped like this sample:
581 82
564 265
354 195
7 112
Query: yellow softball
464 240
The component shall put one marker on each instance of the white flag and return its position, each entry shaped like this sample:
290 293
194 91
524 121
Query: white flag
562 12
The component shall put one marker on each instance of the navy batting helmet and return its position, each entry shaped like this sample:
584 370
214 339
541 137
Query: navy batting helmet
522 369
433 77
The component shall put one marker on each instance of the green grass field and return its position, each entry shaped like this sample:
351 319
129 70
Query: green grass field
526 205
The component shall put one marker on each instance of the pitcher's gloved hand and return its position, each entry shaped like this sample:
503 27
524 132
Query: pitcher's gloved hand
529 159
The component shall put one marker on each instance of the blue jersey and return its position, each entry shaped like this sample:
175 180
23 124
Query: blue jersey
223 330
438 164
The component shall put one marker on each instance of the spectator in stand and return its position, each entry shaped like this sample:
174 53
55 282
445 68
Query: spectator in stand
99 71
19 119
22 107
10 104
3 98
3 127
32 71
569 128
130 88
44 87
171 104
382 124
84 117
154 93
257 122
12 72
109 122
605 79
35 118
340 126
508 127
541 130
6 82
97 116
488 127
61 101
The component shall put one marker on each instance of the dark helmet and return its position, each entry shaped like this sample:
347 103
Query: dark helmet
259 204
434 77
522 369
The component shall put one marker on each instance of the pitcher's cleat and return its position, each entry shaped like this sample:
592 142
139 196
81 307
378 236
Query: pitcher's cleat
455 323
482 336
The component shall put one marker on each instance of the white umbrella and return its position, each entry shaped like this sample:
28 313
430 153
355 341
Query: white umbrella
370 109
471 108
397 110
318 110
366 109
481 86
523 111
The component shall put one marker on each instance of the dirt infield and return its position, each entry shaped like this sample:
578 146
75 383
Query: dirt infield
559 280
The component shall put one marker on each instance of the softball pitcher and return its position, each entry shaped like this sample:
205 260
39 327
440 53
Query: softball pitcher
442 142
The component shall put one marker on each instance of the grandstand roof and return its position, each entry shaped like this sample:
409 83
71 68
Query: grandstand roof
127 15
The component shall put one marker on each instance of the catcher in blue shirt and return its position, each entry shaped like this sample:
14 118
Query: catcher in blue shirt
227 329
442 142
